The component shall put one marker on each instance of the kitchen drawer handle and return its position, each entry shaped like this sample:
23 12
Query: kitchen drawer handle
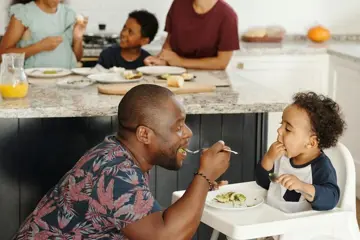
240 65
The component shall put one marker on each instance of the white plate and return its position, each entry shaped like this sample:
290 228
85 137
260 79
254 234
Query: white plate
39 72
111 78
252 201
160 70
85 71
78 83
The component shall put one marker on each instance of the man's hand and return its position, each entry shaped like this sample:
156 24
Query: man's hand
217 185
214 161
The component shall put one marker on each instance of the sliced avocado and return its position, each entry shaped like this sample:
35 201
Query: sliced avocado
223 198
232 196
181 150
235 198
240 197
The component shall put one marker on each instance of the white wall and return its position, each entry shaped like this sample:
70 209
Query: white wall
342 17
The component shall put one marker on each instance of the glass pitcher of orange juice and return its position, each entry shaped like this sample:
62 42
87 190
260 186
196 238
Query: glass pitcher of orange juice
13 81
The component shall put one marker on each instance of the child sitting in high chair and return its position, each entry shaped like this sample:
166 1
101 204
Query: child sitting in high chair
303 177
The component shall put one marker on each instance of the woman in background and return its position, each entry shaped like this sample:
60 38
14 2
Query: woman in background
47 31
202 34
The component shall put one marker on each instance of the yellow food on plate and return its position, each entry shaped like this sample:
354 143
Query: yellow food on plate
233 197
131 75
175 81
49 72
14 91
187 76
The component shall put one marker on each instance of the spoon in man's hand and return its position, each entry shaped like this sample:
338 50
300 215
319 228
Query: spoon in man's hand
196 151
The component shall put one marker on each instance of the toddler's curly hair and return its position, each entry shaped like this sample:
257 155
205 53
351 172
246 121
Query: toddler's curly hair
325 116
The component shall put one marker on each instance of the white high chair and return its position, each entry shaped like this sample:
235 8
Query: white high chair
339 223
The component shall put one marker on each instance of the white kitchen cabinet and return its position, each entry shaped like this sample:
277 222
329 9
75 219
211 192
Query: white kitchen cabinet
284 74
344 79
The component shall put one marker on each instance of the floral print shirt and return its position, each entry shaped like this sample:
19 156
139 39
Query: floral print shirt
103 193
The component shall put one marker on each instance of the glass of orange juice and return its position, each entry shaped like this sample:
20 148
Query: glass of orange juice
13 80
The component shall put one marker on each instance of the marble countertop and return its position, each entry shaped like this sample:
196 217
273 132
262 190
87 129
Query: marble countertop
348 49
47 100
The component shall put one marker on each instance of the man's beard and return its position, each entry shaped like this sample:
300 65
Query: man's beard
168 162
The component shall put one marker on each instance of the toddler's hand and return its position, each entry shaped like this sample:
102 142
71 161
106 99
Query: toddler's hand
277 149
290 182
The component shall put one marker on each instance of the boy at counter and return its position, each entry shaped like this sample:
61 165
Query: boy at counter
140 29
305 178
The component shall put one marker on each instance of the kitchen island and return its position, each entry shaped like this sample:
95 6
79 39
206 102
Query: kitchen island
45 134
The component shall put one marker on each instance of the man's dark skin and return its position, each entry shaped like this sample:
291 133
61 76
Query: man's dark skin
155 139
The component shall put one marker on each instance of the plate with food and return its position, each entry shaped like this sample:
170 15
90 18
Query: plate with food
233 200
185 76
85 71
47 72
75 83
161 70
127 76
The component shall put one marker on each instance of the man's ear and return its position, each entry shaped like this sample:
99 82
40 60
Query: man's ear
144 134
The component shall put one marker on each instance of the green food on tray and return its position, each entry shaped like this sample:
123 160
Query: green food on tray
231 197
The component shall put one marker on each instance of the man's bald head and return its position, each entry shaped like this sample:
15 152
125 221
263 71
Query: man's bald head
142 105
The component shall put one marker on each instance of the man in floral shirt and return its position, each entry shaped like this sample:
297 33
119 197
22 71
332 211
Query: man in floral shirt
106 194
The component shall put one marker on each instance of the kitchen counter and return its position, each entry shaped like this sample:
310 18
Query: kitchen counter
245 96
46 100
348 49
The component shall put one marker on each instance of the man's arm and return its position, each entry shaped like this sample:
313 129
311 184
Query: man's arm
181 220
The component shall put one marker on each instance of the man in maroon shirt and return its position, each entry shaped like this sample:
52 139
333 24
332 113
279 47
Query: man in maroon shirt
201 34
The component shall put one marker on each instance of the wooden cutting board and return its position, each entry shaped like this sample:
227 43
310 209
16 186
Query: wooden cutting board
189 87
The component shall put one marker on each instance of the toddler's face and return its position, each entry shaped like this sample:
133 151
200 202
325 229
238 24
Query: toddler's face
295 131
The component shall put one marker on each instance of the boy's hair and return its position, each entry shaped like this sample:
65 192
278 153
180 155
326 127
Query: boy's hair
325 117
148 22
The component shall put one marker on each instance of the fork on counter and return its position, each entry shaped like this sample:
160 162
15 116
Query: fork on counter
201 149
